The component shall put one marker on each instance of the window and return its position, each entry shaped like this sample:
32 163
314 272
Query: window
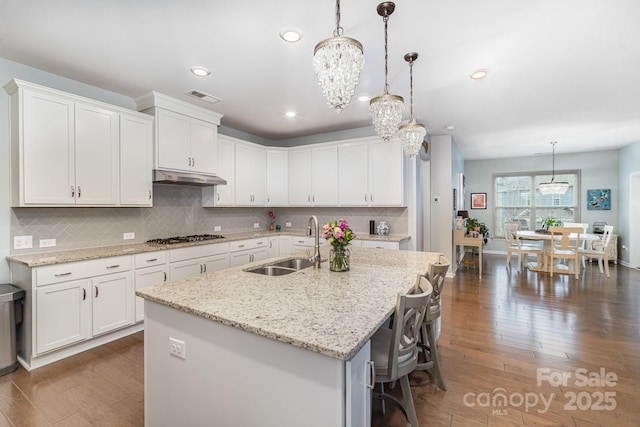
517 199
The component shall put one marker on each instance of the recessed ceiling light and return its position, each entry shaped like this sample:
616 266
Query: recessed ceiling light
363 98
449 127
290 35
479 74
290 114
200 71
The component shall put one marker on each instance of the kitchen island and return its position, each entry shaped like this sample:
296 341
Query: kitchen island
250 349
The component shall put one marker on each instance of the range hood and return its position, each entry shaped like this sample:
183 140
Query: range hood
186 178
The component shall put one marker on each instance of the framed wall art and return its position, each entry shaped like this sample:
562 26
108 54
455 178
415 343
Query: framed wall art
478 200
598 200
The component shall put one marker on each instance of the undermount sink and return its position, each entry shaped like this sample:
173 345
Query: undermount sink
282 268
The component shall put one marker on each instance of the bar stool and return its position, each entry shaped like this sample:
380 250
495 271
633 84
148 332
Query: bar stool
394 351
430 329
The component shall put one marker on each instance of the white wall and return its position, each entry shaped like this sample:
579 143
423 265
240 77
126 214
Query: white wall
628 163
598 170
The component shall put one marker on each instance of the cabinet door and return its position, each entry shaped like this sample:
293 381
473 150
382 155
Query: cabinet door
300 177
203 146
112 302
136 154
215 263
353 178
259 254
386 174
358 392
285 244
225 194
277 178
324 176
62 314
250 175
274 247
145 277
173 149
97 155
239 258
48 157
183 269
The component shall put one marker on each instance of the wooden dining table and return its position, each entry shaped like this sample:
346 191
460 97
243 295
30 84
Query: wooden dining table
546 238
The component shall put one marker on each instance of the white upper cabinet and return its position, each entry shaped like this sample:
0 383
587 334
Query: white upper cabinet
65 149
313 176
97 155
184 143
251 164
136 157
225 195
277 178
185 135
371 173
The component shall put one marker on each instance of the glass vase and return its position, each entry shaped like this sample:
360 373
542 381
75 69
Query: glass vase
339 258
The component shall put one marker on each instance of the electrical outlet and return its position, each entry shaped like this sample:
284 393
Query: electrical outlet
256 225
129 236
47 243
287 224
177 348
22 242
217 228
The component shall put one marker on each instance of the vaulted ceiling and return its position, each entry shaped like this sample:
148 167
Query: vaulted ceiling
566 70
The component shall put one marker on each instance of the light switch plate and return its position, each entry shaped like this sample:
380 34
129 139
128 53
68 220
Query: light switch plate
22 242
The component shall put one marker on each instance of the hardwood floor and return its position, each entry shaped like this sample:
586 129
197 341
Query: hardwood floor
496 333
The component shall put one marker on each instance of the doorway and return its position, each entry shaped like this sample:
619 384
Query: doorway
634 228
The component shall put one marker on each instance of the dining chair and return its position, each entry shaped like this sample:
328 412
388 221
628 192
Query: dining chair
514 244
565 242
601 253
394 351
430 329
585 229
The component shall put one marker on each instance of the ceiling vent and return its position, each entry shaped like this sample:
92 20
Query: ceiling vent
203 96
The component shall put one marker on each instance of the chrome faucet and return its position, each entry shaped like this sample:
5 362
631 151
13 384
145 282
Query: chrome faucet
313 220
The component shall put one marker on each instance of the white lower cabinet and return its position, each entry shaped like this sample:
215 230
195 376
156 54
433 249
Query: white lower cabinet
112 302
246 251
62 313
194 267
359 386
145 277
71 312
274 246
285 245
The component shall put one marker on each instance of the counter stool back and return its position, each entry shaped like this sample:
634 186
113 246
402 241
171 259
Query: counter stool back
430 329
394 351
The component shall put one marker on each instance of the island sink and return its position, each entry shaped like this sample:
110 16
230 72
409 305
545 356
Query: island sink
282 268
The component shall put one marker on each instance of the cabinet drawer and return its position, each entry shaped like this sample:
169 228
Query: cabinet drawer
242 245
379 245
150 259
81 269
199 251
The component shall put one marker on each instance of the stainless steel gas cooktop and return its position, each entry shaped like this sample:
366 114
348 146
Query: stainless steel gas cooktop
185 239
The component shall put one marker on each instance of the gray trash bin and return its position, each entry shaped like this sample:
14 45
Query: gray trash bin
10 316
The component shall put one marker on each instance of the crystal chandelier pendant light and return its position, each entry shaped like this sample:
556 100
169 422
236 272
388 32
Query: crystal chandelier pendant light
411 134
553 186
337 63
386 109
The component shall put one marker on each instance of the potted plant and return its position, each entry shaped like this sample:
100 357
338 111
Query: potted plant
474 225
550 222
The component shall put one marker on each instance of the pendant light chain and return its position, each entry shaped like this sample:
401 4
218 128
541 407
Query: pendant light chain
386 54
411 90
339 30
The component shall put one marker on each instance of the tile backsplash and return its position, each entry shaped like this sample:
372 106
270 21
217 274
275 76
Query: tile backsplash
176 210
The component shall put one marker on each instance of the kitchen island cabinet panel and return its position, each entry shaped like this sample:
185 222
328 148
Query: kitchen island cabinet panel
288 386
146 277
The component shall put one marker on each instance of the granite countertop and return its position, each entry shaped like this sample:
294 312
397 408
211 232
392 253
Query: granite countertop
327 312
59 257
